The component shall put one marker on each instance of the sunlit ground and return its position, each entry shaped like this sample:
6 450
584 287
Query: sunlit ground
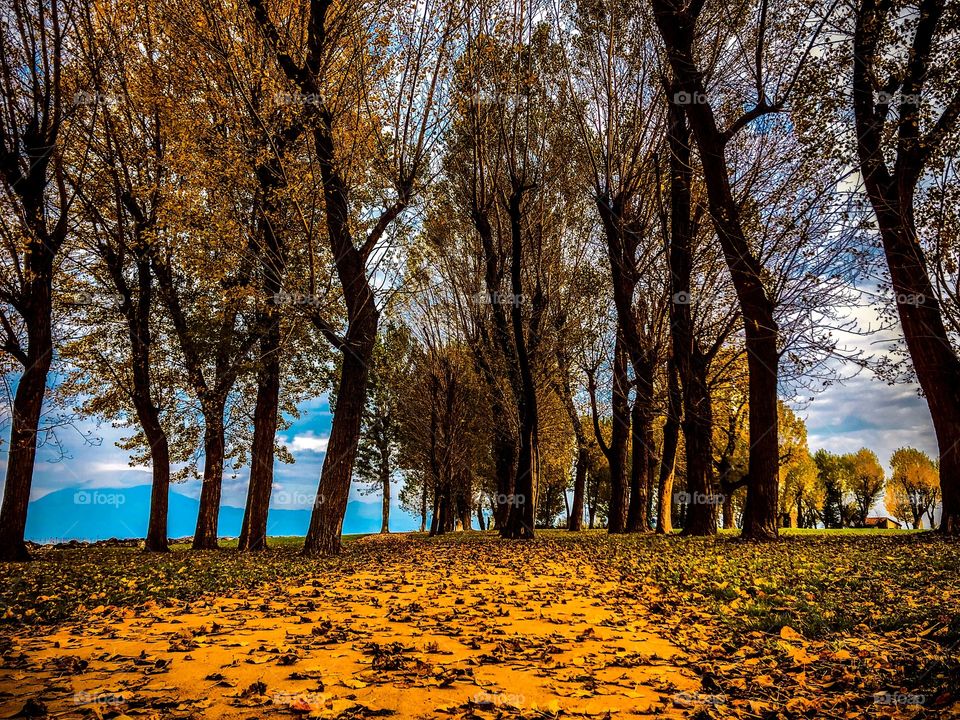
820 624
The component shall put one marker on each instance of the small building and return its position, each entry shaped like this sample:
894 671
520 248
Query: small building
882 523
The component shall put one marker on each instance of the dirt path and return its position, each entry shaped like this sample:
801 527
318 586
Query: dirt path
416 637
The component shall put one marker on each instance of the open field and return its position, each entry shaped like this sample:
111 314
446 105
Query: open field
817 625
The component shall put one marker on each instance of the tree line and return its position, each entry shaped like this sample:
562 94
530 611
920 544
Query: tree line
520 245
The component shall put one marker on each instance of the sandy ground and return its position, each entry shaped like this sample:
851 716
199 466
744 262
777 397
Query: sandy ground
417 639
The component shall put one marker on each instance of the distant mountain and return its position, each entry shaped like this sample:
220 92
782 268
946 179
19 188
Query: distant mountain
103 513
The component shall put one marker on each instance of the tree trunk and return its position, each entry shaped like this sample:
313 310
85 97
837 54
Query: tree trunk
691 364
326 522
423 505
385 485
266 412
642 453
505 459
565 389
205 537
27 407
619 487
668 461
760 508
729 522
436 521
891 194
253 532
575 523
698 433
676 24
137 314
521 520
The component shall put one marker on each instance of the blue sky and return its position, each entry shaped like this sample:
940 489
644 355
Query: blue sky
107 465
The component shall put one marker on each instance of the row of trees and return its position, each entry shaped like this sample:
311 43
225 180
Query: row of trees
615 226
835 491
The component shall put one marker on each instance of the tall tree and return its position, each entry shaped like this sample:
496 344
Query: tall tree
619 124
681 27
390 374
121 206
907 113
343 36
833 474
616 449
35 207
913 489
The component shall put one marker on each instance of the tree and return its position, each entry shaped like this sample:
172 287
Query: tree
762 43
797 470
801 495
250 345
616 449
509 178
122 207
914 485
390 374
866 482
620 124
328 37
205 285
833 474
36 215
907 112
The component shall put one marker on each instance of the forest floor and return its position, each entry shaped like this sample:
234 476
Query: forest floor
468 626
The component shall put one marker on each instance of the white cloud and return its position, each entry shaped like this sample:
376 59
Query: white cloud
307 442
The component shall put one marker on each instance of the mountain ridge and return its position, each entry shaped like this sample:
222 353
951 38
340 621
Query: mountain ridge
91 514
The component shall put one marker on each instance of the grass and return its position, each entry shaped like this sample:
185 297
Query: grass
821 581
817 609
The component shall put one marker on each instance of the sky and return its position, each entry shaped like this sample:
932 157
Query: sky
865 411
107 466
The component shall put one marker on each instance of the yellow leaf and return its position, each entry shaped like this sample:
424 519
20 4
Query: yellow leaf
788 633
